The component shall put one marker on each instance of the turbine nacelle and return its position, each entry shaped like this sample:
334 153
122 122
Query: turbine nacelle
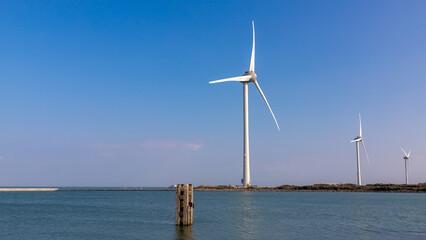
407 156
252 74
357 139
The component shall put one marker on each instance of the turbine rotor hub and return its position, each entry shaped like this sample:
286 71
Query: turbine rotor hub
252 74
358 139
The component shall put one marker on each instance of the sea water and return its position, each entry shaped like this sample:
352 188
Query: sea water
217 215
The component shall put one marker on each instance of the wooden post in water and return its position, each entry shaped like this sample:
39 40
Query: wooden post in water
184 204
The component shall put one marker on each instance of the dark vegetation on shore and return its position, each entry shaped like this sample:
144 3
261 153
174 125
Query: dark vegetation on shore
348 187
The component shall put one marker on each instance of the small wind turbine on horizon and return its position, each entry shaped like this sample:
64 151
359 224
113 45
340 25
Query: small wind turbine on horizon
407 164
249 76
357 140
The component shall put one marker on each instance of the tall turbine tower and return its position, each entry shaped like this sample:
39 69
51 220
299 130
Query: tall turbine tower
357 140
249 76
407 164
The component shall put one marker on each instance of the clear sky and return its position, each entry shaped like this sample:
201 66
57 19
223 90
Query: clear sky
116 93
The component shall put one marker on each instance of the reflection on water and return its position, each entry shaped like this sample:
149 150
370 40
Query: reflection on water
184 233
248 215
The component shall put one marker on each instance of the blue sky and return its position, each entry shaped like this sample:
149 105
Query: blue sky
116 93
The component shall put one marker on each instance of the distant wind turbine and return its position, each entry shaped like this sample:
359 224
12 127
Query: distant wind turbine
357 140
249 76
407 164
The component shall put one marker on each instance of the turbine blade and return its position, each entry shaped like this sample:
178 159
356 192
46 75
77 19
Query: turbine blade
404 152
360 127
366 154
266 101
235 79
252 52
353 141
409 152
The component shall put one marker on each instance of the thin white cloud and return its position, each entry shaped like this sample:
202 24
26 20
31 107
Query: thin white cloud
170 145
105 155
104 145
281 168
149 145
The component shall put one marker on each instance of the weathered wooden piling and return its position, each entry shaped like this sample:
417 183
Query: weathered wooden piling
184 204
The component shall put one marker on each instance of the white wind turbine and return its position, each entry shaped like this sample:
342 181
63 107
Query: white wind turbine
407 164
249 76
357 140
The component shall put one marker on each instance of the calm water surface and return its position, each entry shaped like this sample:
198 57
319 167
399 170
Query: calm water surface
218 215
